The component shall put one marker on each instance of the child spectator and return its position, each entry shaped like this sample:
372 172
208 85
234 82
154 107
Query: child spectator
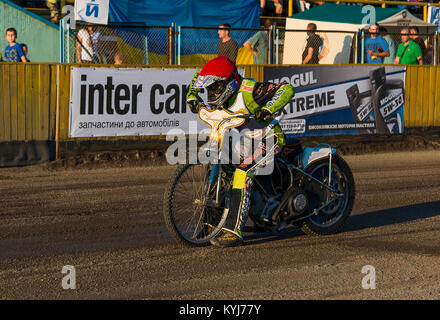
14 51
119 58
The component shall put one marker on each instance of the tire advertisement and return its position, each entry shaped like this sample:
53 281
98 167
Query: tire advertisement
337 100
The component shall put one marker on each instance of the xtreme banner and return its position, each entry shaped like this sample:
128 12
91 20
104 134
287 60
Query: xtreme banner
108 102
332 100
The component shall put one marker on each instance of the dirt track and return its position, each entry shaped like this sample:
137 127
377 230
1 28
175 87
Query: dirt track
107 223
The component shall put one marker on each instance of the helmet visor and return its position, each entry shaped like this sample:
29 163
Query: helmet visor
217 87
206 81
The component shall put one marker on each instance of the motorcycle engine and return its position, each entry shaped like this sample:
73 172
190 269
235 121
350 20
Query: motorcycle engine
298 203
269 208
262 207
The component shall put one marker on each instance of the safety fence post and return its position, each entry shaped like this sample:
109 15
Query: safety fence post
277 39
67 37
362 46
146 44
61 31
425 13
174 43
356 47
435 58
57 113
179 32
269 46
170 44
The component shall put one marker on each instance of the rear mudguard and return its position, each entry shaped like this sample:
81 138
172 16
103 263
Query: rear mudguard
310 155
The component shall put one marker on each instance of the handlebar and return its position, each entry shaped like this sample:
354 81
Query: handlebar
248 116
243 116
270 126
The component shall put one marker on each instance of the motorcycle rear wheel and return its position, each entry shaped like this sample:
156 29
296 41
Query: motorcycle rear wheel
332 218
190 211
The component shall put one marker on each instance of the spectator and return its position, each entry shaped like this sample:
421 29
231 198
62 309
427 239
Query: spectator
95 37
408 52
376 47
54 12
257 44
108 46
84 48
226 46
414 31
25 51
314 42
315 3
119 58
391 45
271 7
303 5
87 45
14 51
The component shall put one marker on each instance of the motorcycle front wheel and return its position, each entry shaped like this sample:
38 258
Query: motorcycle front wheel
193 214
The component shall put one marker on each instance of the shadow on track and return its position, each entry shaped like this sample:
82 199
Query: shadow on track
362 221
392 216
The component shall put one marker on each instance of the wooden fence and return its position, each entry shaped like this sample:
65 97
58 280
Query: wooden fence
35 99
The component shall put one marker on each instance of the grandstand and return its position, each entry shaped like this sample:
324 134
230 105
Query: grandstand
160 34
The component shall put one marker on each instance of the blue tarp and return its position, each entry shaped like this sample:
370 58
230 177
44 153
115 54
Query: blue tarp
186 13
189 13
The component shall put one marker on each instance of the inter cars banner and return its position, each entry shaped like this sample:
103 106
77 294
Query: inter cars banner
130 102
332 100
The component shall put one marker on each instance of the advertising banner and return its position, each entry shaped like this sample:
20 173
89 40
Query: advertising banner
434 16
108 102
92 11
331 100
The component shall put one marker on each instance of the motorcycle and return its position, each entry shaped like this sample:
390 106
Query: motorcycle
309 187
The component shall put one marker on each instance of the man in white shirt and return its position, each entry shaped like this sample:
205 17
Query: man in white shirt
87 46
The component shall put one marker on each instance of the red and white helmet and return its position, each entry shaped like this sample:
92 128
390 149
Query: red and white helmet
220 77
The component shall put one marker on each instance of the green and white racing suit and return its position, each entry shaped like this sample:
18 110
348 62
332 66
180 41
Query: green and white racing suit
262 100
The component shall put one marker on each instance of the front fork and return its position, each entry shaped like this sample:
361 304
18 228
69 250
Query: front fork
215 172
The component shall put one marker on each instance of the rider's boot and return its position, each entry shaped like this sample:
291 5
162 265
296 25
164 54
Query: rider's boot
231 233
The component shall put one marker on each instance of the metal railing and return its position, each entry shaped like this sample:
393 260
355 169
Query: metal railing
246 46
139 44
131 44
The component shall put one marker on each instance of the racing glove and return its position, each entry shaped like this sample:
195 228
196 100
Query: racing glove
263 115
194 101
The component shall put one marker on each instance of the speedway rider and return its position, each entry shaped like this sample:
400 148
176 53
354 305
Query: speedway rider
226 88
